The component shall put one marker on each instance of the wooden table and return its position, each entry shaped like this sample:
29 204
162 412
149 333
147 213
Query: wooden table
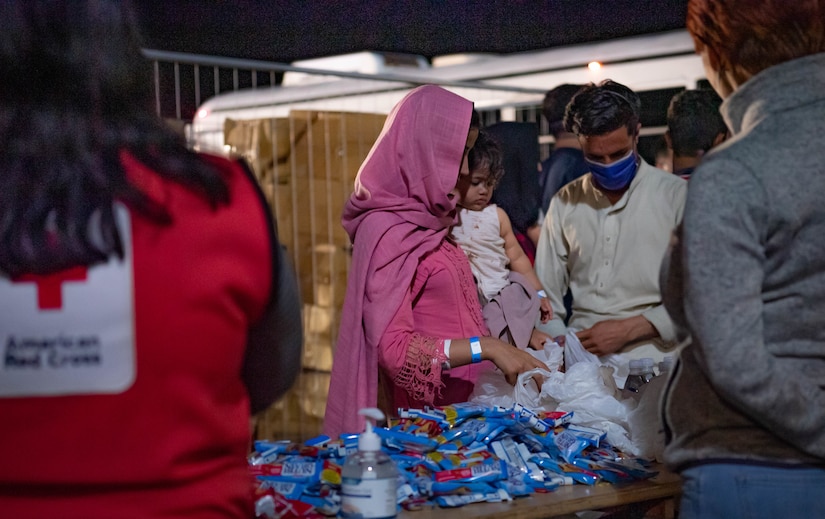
566 500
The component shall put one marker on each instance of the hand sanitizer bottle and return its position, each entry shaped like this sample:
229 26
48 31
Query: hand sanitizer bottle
369 477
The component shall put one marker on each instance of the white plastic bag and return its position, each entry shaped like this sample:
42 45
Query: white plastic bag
574 353
589 389
645 421
635 426
492 389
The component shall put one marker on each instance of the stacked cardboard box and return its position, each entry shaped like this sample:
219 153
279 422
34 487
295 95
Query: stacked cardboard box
306 164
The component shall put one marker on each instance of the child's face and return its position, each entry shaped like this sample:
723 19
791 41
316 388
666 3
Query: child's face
475 189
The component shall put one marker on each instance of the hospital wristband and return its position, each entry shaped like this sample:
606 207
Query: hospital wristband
542 293
475 349
446 363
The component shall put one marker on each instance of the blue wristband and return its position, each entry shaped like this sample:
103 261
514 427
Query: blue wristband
475 349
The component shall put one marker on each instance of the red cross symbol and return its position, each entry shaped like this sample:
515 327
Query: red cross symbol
50 286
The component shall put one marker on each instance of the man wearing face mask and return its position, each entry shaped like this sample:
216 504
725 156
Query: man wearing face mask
606 232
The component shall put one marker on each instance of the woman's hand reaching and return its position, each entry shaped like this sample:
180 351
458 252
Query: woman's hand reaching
511 360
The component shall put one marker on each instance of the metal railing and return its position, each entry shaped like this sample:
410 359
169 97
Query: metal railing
173 69
247 73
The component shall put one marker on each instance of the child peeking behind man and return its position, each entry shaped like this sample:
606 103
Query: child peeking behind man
510 292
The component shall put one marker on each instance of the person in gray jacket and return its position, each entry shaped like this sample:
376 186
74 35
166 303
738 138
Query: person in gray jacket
745 409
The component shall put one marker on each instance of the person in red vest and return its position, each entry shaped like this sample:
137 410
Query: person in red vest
146 306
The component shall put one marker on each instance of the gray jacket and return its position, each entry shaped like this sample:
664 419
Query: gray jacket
751 386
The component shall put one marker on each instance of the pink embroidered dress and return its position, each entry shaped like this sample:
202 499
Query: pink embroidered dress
409 288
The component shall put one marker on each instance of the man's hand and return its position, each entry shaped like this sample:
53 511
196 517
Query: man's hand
604 337
612 335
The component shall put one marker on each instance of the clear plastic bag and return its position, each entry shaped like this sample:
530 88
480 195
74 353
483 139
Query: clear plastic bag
492 389
574 353
589 389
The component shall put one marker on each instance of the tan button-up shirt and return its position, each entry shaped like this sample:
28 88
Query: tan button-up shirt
609 255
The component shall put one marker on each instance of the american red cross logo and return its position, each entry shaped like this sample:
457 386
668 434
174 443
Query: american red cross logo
50 286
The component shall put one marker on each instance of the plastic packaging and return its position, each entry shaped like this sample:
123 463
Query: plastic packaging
369 477
647 368
666 365
641 372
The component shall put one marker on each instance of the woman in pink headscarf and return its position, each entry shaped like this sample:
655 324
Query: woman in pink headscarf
411 306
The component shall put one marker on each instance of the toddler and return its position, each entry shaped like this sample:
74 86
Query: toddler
509 289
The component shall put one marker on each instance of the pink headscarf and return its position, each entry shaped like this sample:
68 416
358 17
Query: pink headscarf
399 212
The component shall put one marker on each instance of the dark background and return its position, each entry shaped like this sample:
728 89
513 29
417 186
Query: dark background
286 30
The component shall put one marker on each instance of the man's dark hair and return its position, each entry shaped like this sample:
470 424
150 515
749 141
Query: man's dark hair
694 121
602 108
555 103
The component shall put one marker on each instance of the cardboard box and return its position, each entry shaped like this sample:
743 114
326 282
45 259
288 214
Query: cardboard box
306 164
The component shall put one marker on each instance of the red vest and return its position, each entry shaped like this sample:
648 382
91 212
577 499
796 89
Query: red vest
140 410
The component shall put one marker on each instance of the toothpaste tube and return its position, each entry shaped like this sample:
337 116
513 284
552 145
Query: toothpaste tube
604 453
269 451
405 492
556 418
288 489
318 441
499 412
420 426
461 500
330 473
434 415
263 446
463 458
591 435
328 505
630 467
272 505
577 473
463 435
434 488
456 413
495 432
486 472
517 456
506 449
569 445
530 419
406 461
605 473
290 469
405 441
515 487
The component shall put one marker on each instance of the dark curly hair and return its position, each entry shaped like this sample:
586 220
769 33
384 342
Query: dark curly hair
75 93
694 121
603 108
487 154
554 104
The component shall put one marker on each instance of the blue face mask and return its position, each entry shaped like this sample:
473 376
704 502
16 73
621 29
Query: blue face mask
615 176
